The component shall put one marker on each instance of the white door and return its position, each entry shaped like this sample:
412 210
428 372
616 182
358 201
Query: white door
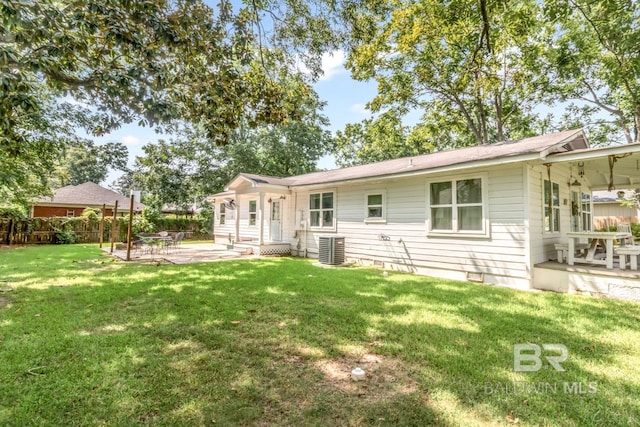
275 221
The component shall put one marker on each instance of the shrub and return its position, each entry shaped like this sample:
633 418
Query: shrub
64 237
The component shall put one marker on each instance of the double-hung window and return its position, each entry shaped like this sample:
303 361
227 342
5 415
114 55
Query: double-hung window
321 209
375 207
551 206
222 214
457 206
253 212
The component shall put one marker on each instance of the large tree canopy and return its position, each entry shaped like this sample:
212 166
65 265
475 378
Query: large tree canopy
595 61
151 62
472 62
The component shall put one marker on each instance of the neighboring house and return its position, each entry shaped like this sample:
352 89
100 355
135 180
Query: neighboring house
608 211
489 213
73 199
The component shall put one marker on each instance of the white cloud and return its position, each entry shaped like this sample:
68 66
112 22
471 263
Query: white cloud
71 100
360 109
130 140
332 64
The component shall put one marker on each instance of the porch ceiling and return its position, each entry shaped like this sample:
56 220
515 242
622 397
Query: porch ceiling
605 169
623 173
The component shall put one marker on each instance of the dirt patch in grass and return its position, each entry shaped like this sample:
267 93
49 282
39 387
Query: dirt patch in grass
385 377
3 301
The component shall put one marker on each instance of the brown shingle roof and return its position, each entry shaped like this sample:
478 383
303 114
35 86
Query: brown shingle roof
87 194
556 142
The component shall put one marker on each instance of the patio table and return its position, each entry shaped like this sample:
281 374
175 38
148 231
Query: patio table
607 237
156 241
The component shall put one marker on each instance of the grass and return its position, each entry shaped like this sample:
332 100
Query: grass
85 340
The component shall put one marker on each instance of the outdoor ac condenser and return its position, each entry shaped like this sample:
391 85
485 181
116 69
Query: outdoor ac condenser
331 250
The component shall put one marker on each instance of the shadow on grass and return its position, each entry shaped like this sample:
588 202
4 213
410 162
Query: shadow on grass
273 342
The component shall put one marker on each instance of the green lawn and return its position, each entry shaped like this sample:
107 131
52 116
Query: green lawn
85 340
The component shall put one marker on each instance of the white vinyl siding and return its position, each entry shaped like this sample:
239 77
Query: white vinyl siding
401 242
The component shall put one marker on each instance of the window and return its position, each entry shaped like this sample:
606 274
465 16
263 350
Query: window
551 218
223 213
71 213
586 212
252 212
457 206
375 207
321 210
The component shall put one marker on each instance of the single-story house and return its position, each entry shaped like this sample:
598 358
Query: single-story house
608 211
72 200
489 213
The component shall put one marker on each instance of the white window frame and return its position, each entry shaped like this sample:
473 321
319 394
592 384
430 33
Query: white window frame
485 232
586 211
254 213
71 213
322 226
375 220
222 214
553 209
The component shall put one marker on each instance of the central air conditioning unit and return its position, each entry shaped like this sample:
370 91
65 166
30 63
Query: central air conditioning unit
331 250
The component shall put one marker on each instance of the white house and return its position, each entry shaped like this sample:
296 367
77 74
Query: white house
489 213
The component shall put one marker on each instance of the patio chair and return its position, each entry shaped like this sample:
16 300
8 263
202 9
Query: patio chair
177 239
625 227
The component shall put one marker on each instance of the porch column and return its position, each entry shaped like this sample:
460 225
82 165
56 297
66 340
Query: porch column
261 213
237 217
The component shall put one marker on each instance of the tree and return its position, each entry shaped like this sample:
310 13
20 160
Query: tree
87 162
378 139
596 62
154 62
475 62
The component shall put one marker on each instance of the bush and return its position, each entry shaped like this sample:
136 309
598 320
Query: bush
64 237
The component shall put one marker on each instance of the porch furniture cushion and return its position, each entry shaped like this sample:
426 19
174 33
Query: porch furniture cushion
632 252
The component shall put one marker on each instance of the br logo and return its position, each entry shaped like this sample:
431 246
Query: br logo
528 357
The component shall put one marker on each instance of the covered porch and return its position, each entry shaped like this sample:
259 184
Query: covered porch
253 214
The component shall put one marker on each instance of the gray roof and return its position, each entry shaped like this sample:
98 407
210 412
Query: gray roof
539 146
87 194
609 196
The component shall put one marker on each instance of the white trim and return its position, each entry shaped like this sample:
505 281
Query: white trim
553 207
485 232
383 206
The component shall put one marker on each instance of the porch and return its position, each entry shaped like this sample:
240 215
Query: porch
595 280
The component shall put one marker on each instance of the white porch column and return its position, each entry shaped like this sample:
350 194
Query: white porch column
261 213
237 239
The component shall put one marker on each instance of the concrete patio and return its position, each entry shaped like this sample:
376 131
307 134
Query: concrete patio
185 253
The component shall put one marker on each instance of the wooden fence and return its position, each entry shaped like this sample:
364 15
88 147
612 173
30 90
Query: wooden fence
54 230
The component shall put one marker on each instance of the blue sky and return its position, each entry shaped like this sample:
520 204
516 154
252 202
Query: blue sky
345 98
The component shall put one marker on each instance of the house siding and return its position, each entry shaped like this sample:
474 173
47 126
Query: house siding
542 243
402 242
